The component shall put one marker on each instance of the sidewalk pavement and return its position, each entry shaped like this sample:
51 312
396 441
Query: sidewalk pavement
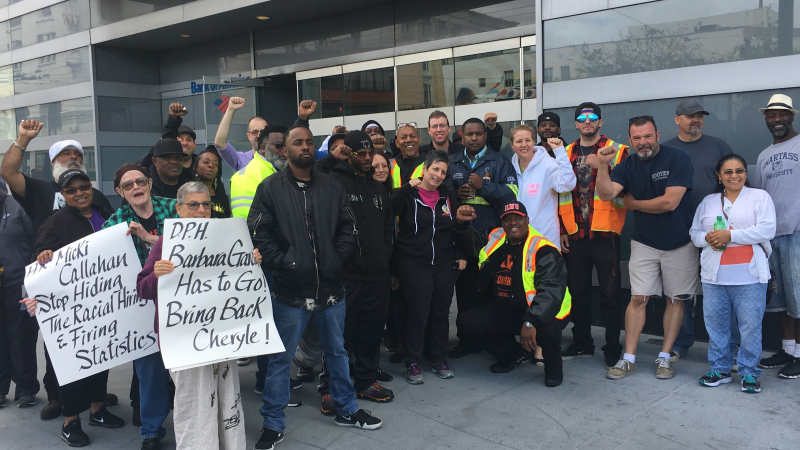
481 410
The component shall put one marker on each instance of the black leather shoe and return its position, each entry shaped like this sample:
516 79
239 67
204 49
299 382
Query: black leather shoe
51 410
462 349
553 380
151 444
501 368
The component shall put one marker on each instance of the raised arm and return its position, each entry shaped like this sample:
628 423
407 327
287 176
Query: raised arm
221 139
563 179
9 169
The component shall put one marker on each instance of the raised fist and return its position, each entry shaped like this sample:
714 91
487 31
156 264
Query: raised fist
339 129
554 143
177 110
235 103
307 109
490 119
465 213
30 128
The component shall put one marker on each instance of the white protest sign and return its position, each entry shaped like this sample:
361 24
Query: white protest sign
216 304
89 313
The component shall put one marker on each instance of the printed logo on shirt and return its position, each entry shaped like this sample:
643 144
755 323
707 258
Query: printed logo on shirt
510 180
776 164
354 197
533 189
446 209
658 176
458 175
59 201
377 201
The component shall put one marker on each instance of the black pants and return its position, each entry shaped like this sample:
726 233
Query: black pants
18 334
494 326
465 287
428 293
78 396
363 327
603 254
134 392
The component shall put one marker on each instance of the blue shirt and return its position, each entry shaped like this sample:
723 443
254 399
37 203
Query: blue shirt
647 180
477 157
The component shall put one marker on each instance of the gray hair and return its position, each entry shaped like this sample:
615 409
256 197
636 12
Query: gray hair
192 187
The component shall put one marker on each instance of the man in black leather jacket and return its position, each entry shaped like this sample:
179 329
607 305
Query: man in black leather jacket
302 224
516 296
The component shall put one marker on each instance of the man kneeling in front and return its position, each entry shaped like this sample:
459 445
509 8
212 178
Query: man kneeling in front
521 288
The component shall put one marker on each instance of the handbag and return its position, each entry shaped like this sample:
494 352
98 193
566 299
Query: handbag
772 284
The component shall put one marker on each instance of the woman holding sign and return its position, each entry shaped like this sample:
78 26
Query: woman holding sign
207 399
71 223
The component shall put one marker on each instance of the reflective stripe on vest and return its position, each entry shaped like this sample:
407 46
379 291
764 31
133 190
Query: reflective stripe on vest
244 184
394 173
612 213
475 201
533 243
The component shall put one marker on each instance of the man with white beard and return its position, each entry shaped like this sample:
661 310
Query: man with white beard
39 199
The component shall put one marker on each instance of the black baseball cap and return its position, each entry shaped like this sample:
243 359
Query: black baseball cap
549 116
167 146
514 207
183 129
588 105
357 140
67 176
689 107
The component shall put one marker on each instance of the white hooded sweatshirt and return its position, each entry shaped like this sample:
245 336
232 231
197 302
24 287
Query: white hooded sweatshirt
539 185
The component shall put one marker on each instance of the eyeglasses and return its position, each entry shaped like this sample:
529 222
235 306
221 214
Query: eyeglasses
584 117
363 154
128 185
278 145
251 132
72 191
194 206
409 124
439 126
647 118
730 172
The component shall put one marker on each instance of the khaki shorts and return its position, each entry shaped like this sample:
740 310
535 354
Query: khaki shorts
673 273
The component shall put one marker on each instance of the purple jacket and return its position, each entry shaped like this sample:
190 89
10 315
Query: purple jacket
237 160
146 281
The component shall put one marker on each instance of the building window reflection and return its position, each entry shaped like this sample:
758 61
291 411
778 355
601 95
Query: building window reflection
429 84
369 91
500 70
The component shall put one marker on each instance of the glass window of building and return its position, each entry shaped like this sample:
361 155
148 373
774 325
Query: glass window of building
670 34
328 92
129 114
429 84
223 57
6 81
369 91
60 69
8 125
37 164
65 117
529 74
59 20
105 12
500 70
420 21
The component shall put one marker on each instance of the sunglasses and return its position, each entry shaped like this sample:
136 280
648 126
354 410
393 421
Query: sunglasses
128 185
363 153
72 190
731 172
194 206
584 117
647 118
409 124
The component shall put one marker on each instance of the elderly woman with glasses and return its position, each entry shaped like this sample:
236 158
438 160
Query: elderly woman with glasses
217 424
71 223
144 214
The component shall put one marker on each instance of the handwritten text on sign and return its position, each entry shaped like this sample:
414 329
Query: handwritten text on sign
89 313
216 304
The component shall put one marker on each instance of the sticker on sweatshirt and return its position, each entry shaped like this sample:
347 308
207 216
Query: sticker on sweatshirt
533 189
446 209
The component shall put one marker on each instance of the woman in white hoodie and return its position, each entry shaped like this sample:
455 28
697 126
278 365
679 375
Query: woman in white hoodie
540 179
734 270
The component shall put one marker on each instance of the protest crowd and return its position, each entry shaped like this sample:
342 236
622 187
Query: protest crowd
365 241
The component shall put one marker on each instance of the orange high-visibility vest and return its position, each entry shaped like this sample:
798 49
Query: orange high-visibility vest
609 216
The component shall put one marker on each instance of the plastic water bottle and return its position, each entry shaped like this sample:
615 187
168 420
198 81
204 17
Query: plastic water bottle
720 225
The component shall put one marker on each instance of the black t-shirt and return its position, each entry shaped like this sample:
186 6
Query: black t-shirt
647 180
220 207
151 226
507 285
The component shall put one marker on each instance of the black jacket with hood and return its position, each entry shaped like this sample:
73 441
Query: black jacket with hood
304 236
423 234
550 278
374 222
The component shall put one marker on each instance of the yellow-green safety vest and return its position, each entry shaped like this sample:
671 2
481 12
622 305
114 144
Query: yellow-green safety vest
394 172
245 182
533 243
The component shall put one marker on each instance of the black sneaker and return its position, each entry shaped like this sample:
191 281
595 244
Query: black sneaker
295 384
294 400
151 444
73 435
103 418
714 378
750 385
26 401
111 399
501 368
361 419
305 374
51 410
384 376
576 351
778 359
269 439
462 349
376 393
3 401
137 418
553 379
791 370
326 405
523 357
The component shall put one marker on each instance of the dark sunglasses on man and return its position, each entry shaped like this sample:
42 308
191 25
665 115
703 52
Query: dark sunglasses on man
362 154
584 117
128 185
73 190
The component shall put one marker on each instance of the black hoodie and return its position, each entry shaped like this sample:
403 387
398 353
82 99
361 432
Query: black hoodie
374 221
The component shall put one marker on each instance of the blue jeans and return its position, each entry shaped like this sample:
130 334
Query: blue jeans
153 395
685 338
748 302
291 322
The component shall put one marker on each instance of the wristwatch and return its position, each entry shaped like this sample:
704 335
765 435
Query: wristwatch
528 324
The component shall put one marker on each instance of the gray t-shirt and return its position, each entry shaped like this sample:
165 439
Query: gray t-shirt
775 174
705 153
